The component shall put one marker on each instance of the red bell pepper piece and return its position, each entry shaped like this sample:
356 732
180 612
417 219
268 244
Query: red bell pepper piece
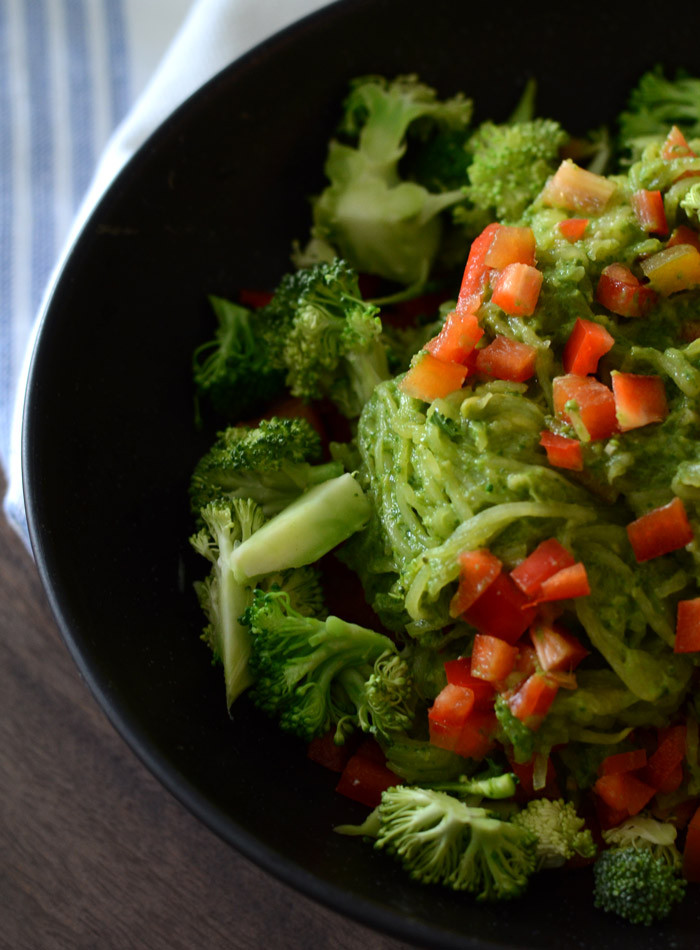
623 791
687 626
593 403
649 210
459 335
507 359
684 235
430 378
459 673
639 400
531 701
660 531
573 229
477 737
623 762
517 290
323 751
446 717
476 272
478 569
511 245
566 584
557 650
547 559
562 452
676 145
363 780
691 852
492 658
669 755
621 292
501 611
587 342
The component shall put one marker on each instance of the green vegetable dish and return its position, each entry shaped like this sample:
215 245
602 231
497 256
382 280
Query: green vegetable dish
451 512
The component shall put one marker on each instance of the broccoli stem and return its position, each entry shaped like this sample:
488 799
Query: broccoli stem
311 526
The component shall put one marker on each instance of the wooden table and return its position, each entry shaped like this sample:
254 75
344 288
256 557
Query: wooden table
95 852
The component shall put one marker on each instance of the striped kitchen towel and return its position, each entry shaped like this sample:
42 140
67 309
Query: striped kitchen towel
82 85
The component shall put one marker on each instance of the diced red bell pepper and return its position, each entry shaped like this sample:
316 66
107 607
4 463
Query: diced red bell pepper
621 292
476 272
530 702
660 531
255 298
501 611
547 559
450 710
507 359
459 335
430 378
691 851
517 289
573 229
623 762
639 400
511 245
593 402
492 658
587 342
606 815
673 269
577 189
323 751
673 781
687 626
478 569
562 452
566 584
557 649
459 673
684 235
669 755
676 145
623 791
477 737
363 780
649 210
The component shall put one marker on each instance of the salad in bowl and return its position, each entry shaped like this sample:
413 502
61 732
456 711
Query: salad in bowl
448 520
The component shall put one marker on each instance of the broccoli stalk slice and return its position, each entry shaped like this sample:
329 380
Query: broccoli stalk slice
379 697
489 786
307 529
221 596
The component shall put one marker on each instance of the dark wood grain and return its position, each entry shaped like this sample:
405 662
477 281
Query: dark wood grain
95 852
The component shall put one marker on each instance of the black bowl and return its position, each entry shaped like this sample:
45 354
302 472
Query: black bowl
209 205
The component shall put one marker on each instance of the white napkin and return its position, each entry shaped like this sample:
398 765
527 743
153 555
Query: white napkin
82 85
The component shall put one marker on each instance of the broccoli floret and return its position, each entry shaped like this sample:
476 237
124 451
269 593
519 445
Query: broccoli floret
511 163
383 224
642 831
560 832
657 103
635 884
439 839
270 463
234 370
223 599
332 344
313 675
